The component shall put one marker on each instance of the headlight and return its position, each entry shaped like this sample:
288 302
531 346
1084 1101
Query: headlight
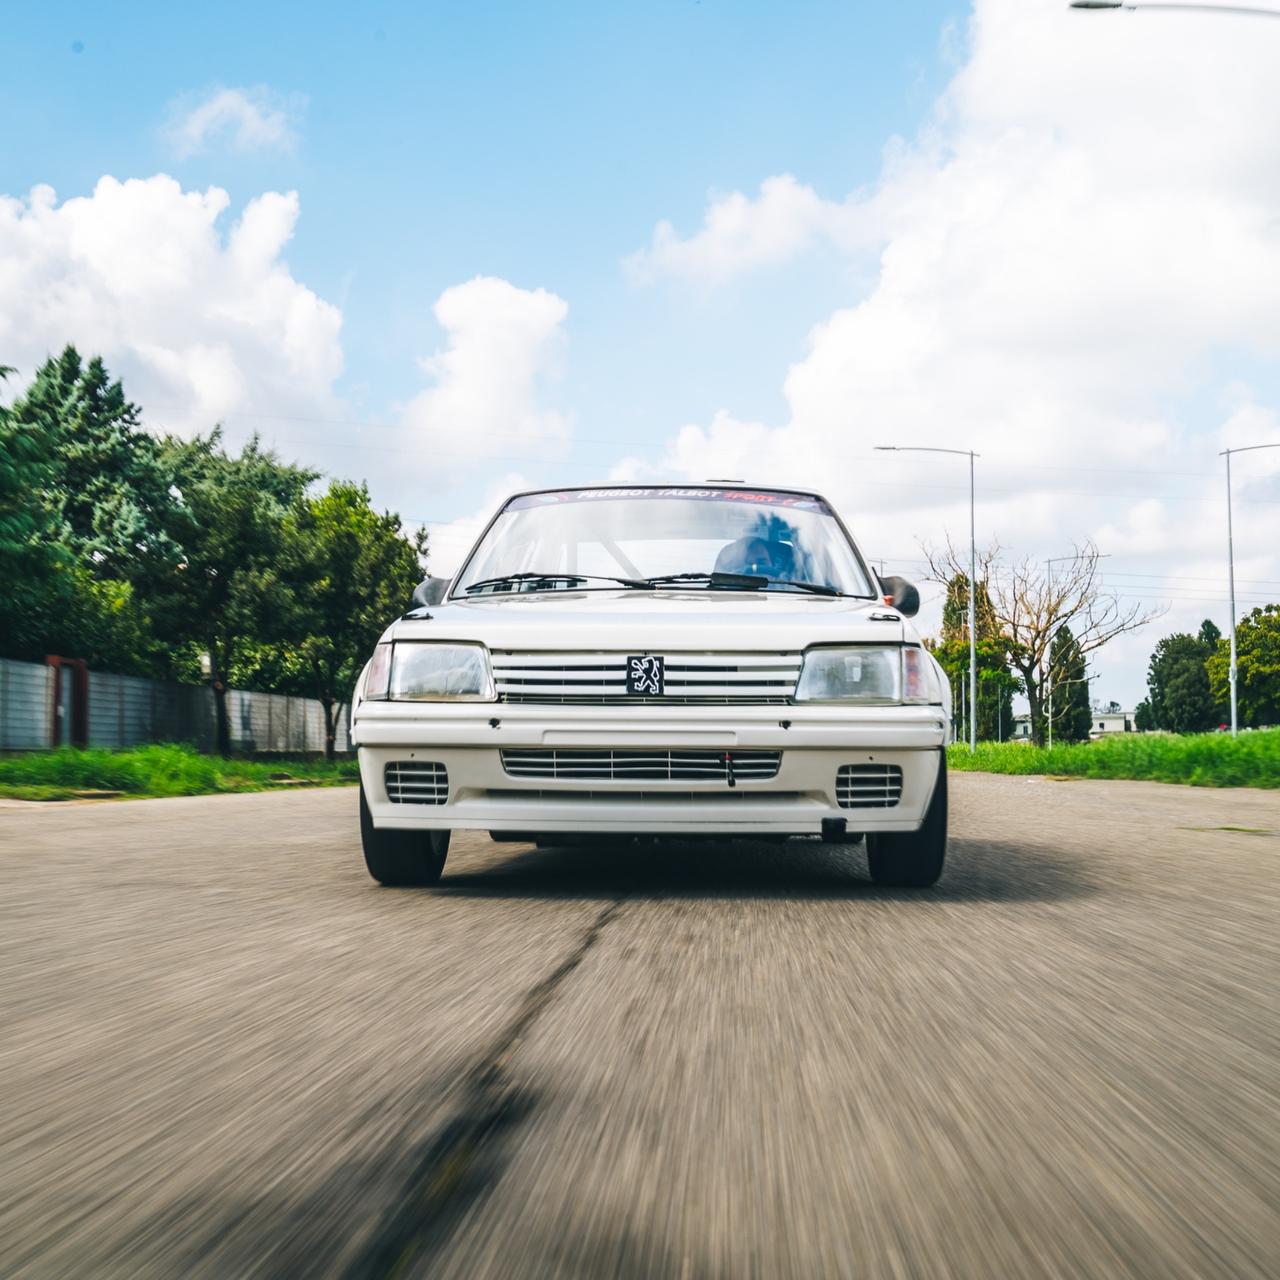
867 673
424 671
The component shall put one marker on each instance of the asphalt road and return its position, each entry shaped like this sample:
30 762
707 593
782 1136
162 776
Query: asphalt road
225 1052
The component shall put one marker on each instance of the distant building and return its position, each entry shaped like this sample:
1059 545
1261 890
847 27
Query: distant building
1110 721
1108 718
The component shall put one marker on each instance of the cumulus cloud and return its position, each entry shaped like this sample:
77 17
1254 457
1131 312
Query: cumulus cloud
201 320
740 233
503 344
1079 241
252 119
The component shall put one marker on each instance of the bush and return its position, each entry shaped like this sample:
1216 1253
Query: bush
162 770
1202 759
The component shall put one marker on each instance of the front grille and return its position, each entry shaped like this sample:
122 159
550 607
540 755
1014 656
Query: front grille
719 767
637 700
868 786
417 782
602 677
606 798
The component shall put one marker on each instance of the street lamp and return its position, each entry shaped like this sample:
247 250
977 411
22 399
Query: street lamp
1050 563
1231 571
1251 10
973 578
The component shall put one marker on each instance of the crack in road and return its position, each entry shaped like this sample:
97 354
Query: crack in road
452 1167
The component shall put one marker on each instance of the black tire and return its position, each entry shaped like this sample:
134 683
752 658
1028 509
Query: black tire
401 857
913 859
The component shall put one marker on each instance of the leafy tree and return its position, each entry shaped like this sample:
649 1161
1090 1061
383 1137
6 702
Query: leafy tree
1178 683
1258 668
996 683
87 507
34 566
1143 719
226 594
1072 715
108 481
351 570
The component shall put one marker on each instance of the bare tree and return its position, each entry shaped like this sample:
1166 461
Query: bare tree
1030 605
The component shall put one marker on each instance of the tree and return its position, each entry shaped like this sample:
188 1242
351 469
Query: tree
226 593
352 570
34 566
1029 608
1143 719
1178 689
1072 714
1258 668
107 478
90 504
1209 634
996 683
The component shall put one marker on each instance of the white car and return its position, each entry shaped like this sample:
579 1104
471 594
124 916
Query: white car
656 662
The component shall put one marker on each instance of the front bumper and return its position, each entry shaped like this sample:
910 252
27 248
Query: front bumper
814 741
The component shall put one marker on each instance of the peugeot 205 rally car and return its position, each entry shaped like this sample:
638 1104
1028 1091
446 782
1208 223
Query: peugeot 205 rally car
656 661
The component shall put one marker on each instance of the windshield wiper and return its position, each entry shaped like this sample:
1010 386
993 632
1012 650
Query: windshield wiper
744 582
508 578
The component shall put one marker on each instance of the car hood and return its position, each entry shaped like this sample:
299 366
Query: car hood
677 620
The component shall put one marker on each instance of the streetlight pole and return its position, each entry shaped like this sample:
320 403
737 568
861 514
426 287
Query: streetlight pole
1252 11
1231 572
973 575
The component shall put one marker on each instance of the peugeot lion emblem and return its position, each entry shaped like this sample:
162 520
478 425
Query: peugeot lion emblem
646 676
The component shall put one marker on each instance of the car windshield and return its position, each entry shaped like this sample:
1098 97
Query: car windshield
607 539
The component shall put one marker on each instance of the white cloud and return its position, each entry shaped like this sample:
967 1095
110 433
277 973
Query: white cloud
503 345
1077 244
252 119
450 541
199 323
740 233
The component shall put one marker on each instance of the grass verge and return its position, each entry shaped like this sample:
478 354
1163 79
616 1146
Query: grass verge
1202 760
163 770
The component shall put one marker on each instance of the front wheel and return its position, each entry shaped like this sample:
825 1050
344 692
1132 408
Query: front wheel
913 859
401 857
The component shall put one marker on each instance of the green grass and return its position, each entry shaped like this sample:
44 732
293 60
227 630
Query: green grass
1203 760
163 770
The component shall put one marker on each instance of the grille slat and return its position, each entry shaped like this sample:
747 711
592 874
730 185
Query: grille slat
868 786
699 798
602 677
634 700
664 766
417 782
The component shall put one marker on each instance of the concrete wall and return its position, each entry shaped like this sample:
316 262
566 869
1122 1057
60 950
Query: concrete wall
127 711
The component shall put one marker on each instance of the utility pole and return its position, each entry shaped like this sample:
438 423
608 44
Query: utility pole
1231 573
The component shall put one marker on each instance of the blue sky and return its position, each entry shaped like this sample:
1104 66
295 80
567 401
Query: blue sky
554 243
536 143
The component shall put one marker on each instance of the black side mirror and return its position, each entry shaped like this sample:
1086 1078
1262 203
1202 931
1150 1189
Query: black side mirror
901 594
429 591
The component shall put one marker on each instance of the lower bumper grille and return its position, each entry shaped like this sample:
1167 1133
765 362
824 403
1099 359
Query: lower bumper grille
695 799
716 767
868 786
417 782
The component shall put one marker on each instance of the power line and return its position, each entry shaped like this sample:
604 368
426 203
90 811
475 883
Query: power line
649 444
1018 491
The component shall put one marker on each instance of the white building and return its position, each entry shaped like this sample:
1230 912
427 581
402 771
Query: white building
1108 718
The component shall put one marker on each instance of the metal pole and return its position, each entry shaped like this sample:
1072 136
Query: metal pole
1249 10
973 630
1049 670
1231 578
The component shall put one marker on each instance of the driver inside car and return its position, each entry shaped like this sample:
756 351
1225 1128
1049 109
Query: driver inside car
759 557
